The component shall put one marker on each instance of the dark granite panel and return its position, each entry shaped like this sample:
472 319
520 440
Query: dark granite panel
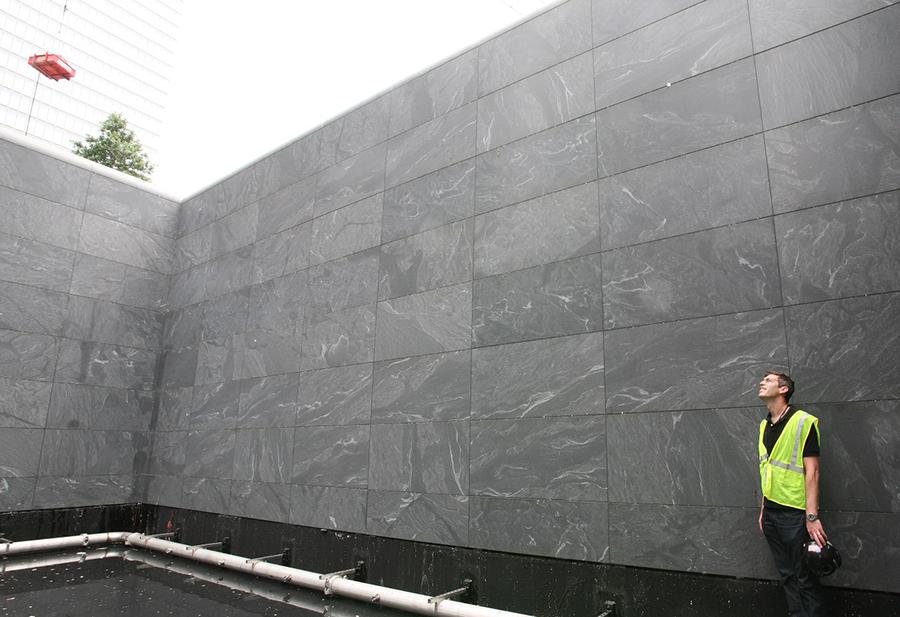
292 205
846 249
45 176
282 253
27 216
243 187
209 454
82 491
174 409
126 204
848 153
23 403
179 367
688 458
778 21
207 494
217 361
279 305
34 263
268 402
692 539
161 490
703 37
215 406
167 455
116 324
192 249
429 322
423 388
16 494
146 289
554 96
79 406
315 151
263 455
718 106
79 452
331 456
422 457
554 159
440 90
338 339
27 356
335 396
860 468
552 458
551 300
431 146
442 519
344 283
845 349
345 231
107 239
181 327
561 529
20 452
851 63
560 33
613 18
435 258
201 209
717 271
700 363
350 181
444 196
188 287
96 278
329 507
550 377
234 231
260 500
264 352
551 228
230 273
718 186
31 309
363 127
225 316
870 549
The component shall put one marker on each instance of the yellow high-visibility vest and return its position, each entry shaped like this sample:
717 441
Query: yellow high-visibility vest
781 470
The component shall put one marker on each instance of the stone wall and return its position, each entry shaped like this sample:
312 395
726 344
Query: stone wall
84 268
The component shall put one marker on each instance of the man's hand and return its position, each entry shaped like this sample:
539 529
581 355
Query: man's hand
816 532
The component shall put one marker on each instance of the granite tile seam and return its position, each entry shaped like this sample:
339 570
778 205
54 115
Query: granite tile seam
809 34
823 114
697 318
655 21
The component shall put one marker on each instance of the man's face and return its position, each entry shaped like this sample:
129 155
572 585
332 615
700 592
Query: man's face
769 388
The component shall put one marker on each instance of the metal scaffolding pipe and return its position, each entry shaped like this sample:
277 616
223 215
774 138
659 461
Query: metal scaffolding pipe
335 583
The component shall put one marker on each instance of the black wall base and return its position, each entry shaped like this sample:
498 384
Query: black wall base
520 583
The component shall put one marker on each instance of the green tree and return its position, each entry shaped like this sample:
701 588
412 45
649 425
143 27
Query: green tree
116 147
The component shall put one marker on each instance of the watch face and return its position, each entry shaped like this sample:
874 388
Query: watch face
811 517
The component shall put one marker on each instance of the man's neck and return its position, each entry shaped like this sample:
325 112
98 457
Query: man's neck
776 407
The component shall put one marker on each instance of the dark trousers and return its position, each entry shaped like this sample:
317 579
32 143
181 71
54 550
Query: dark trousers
785 531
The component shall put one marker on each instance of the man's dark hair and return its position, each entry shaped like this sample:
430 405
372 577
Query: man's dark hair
784 380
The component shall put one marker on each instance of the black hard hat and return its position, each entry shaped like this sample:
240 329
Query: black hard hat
821 560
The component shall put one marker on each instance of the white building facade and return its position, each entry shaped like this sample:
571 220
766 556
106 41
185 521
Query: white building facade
123 54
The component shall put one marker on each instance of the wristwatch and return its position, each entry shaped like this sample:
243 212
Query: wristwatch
812 517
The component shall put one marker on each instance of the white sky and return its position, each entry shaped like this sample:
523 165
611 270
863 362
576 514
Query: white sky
252 76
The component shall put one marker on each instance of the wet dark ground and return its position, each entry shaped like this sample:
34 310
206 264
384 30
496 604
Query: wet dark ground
116 587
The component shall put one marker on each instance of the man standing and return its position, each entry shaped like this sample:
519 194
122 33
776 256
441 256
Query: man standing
789 472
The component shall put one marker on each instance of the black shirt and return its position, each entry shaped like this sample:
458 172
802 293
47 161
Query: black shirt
771 434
